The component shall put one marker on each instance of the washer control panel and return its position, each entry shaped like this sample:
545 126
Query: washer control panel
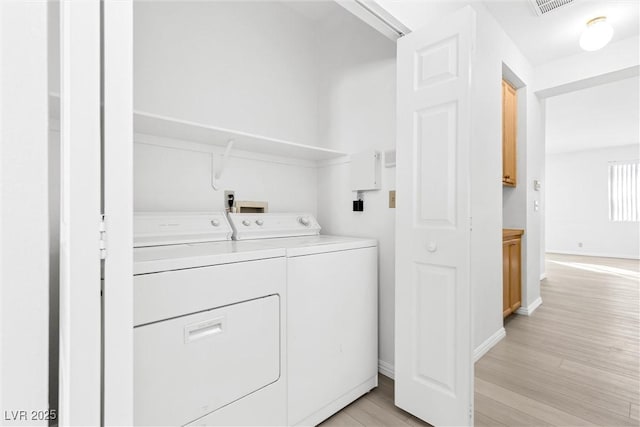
248 226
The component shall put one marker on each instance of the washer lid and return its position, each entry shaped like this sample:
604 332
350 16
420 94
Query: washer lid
248 226
309 245
170 228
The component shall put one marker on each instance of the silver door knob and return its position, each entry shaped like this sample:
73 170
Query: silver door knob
215 222
246 222
432 247
259 222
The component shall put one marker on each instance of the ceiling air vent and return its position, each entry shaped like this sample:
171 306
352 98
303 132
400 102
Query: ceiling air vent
545 6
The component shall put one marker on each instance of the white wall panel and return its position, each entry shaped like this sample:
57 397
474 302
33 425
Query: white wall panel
357 112
180 180
250 66
578 205
24 237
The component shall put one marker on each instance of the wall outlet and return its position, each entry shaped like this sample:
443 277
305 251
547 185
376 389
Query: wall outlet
392 199
579 244
228 194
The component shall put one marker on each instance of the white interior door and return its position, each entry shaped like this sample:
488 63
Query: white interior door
433 360
80 139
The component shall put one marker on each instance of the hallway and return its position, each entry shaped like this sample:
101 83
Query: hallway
575 361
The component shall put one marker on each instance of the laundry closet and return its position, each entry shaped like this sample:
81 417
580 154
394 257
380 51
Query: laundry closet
296 112
257 109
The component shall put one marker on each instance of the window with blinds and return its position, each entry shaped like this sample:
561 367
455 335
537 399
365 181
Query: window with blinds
624 188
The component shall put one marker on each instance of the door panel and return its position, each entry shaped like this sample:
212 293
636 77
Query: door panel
118 210
435 188
506 280
514 271
434 371
80 141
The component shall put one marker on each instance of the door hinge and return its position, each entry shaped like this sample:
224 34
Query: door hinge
470 223
103 238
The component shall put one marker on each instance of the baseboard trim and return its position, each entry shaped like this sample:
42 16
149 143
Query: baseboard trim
386 369
593 254
528 310
543 276
488 344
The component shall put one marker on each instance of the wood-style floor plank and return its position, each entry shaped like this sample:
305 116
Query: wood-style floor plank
574 362
544 412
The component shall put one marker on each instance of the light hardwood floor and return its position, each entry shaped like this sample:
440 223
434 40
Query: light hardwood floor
574 362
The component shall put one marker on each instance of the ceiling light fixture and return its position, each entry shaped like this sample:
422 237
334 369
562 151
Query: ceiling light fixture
597 34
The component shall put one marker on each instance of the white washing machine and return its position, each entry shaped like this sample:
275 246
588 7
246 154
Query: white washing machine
332 312
209 337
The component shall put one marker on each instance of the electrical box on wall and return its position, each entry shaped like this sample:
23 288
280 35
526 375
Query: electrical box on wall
365 171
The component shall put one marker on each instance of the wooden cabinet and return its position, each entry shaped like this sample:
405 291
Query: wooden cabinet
511 271
509 129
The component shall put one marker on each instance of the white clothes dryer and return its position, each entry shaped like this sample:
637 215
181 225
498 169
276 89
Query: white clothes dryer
332 312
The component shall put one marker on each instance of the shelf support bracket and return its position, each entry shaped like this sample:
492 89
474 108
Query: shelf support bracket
217 174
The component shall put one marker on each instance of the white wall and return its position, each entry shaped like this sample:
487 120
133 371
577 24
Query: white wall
329 82
24 247
578 205
616 61
169 179
496 51
519 203
486 181
250 66
357 105
493 48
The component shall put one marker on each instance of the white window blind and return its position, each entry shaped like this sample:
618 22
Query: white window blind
624 186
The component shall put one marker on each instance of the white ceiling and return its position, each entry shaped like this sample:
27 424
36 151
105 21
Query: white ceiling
598 117
555 34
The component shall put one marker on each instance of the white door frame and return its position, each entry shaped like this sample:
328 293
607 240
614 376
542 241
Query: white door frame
118 210
80 335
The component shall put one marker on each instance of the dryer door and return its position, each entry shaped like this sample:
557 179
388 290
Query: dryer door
192 365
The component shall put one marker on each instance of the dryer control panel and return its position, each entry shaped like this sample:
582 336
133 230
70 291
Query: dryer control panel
247 226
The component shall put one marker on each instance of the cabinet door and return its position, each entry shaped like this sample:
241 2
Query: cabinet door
506 277
514 273
509 118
